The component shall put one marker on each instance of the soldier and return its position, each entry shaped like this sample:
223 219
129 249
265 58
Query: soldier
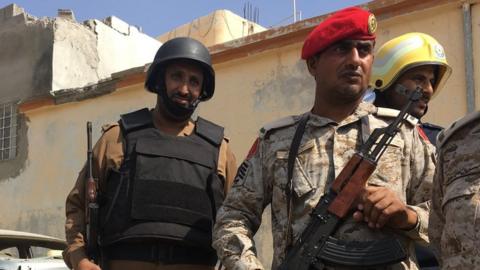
339 56
162 176
412 60
454 222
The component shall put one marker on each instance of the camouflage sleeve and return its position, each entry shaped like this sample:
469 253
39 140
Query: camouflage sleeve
419 187
240 216
436 220
456 215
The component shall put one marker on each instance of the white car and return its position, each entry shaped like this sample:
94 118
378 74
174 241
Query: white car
30 251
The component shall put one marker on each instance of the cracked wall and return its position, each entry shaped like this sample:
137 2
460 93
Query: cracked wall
25 55
84 54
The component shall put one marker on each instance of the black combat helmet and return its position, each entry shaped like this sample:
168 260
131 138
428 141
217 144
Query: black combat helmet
181 48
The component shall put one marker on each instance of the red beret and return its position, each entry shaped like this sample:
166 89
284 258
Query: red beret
348 23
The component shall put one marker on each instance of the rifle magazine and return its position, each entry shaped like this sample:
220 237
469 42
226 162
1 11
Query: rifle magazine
362 254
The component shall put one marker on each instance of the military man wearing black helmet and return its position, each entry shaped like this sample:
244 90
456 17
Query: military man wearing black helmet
161 175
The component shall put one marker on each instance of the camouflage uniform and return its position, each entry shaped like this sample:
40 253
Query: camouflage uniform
406 167
454 223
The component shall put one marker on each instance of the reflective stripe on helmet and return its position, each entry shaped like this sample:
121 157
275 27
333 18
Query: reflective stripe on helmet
405 52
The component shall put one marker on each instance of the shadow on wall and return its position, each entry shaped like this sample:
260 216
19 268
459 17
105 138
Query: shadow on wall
290 88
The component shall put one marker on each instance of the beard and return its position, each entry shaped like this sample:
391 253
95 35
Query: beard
174 110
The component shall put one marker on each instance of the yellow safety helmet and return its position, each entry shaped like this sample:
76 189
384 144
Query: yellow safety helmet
405 52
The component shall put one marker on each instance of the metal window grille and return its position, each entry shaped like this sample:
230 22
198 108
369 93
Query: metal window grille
8 131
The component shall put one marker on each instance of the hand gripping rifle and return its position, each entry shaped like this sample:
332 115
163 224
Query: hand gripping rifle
316 246
92 203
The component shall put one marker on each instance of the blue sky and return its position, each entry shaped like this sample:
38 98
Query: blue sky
156 17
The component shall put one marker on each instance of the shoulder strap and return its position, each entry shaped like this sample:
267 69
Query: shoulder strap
135 120
292 154
130 122
209 131
457 125
431 126
280 123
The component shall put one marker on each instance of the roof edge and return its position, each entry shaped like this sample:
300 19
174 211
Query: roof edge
242 47
277 37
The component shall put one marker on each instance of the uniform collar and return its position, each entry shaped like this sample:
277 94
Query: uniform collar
188 129
362 110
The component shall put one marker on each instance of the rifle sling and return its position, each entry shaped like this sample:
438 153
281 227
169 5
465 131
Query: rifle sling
292 154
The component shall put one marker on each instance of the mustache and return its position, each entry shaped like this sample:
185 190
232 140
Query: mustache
351 73
191 101
187 96
399 88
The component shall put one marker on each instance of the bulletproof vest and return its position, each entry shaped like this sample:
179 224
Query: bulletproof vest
167 187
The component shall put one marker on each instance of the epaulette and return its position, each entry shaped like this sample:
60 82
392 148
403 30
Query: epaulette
108 126
392 113
448 132
280 123
432 126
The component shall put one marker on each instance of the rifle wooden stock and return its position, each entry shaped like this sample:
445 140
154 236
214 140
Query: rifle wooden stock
91 190
350 183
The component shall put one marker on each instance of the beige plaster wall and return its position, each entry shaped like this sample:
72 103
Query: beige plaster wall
476 51
34 200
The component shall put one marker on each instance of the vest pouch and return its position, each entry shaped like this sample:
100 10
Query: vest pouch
117 189
173 203
172 183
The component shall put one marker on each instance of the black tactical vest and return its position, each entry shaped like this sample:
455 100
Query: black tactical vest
167 187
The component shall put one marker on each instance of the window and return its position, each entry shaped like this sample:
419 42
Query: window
8 131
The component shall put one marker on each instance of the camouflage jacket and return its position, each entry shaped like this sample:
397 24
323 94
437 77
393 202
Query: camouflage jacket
455 219
406 167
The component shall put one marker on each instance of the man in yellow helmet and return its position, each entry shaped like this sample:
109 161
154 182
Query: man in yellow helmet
411 60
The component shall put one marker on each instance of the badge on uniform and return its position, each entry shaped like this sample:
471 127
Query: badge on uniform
242 173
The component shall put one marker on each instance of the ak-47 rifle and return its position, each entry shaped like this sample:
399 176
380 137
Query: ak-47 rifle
316 247
92 203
